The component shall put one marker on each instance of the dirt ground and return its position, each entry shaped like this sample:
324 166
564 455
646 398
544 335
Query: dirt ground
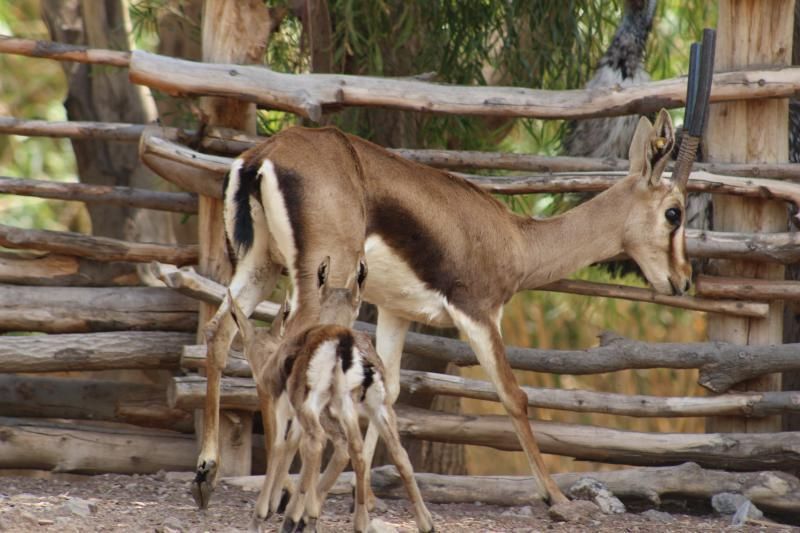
161 503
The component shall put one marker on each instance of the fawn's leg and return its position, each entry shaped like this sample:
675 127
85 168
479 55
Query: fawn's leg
356 448
340 457
304 504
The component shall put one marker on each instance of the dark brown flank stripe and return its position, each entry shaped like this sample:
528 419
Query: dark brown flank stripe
369 376
249 185
344 350
291 187
399 228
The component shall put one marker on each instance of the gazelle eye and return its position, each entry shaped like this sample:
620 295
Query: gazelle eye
362 273
673 215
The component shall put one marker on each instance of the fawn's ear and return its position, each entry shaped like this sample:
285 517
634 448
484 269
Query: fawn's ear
637 153
241 320
322 271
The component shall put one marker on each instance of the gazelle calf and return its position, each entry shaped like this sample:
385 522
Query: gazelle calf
440 250
320 379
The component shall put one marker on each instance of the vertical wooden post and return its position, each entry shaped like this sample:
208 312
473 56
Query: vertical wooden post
233 32
750 33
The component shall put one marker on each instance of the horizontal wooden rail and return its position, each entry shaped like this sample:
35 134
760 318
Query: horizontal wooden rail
721 365
27 268
140 404
749 288
308 95
776 492
233 142
97 248
729 451
179 202
88 448
188 392
92 351
85 309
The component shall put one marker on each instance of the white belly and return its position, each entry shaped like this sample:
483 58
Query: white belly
391 284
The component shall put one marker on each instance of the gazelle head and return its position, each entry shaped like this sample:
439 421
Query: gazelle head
654 234
337 305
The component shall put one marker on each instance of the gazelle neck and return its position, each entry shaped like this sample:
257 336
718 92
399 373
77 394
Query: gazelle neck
591 232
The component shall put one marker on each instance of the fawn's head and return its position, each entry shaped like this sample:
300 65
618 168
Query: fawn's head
654 234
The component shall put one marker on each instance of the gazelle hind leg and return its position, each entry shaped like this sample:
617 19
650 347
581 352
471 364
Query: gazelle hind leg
390 336
486 342
360 469
304 503
338 460
283 441
249 285
381 414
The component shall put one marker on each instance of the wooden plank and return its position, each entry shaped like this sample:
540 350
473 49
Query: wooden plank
188 392
750 33
179 202
25 268
92 399
92 351
97 248
92 448
745 288
84 309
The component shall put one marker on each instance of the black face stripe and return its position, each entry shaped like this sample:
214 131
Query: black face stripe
291 187
249 185
369 377
344 351
406 234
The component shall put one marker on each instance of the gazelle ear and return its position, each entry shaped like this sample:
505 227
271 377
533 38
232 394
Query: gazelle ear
241 320
661 144
637 153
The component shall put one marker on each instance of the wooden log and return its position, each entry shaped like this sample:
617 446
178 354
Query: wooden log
752 289
63 52
92 351
88 448
772 491
83 309
721 365
751 33
93 399
729 451
307 94
608 290
63 270
188 392
233 142
180 202
762 247
97 248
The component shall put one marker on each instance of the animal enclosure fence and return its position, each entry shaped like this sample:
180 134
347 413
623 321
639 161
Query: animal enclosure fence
85 294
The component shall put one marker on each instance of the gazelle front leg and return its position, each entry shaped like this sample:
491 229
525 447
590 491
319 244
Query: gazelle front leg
486 342
390 335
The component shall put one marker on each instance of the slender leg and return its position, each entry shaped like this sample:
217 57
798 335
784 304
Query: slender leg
340 457
486 342
390 336
281 446
248 286
382 416
304 503
360 470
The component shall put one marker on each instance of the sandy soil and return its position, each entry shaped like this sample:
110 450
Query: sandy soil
161 503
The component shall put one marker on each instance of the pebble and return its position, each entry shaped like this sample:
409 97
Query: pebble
657 516
171 525
79 506
574 511
377 525
592 490
747 510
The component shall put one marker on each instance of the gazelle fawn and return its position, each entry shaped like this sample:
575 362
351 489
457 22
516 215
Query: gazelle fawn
440 250
320 378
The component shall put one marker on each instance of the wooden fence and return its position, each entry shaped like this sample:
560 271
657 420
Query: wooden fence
84 293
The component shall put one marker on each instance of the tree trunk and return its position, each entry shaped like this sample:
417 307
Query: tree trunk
750 33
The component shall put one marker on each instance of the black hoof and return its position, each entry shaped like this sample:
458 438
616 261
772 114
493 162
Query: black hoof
285 497
288 525
203 484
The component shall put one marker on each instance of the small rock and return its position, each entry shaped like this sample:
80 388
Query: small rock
161 475
78 506
574 511
171 525
518 511
376 525
179 476
592 490
45 522
24 497
28 517
727 502
526 510
657 516
746 511
379 506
